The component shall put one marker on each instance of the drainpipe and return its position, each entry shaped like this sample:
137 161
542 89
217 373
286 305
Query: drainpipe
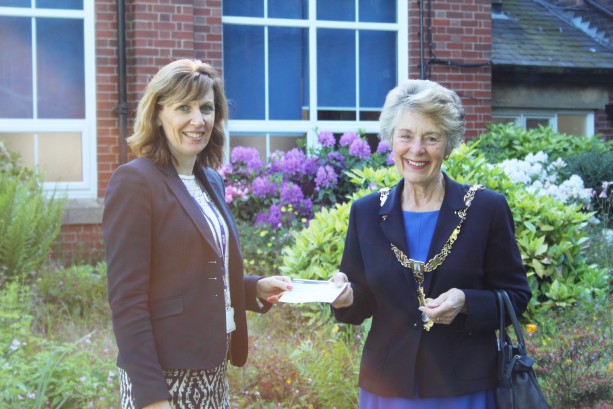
121 81
422 64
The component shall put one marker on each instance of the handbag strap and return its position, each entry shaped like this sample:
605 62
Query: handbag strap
505 307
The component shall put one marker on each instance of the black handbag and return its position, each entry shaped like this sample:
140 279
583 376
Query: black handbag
517 385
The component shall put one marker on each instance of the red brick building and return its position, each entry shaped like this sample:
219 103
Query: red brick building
290 67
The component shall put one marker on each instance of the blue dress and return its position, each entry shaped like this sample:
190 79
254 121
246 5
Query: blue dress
419 228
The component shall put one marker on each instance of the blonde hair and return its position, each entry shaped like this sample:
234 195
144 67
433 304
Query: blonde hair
181 80
428 98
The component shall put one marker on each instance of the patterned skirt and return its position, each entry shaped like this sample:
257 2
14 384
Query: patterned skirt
189 389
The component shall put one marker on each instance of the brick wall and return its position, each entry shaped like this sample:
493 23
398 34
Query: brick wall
461 35
79 243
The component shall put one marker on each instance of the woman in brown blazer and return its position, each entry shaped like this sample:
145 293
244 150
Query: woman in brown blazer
175 268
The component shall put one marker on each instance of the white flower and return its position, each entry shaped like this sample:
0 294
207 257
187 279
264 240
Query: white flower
542 179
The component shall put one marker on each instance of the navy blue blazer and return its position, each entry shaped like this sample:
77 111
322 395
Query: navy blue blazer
165 284
448 360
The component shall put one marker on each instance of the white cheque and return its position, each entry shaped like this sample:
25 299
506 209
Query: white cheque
312 291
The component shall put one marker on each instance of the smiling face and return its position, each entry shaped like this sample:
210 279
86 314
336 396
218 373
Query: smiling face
418 149
187 127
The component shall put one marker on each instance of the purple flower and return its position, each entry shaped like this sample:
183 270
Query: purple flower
326 177
360 148
247 156
273 217
347 138
326 138
310 165
306 207
275 160
263 187
390 159
291 194
335 156
293 161
383 147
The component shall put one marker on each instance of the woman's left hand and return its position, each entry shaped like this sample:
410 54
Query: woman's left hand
271 288
444 308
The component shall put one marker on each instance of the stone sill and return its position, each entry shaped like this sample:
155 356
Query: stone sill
83 211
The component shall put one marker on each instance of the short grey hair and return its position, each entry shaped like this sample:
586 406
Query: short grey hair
443 106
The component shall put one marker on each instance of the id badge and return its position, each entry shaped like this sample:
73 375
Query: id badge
230 324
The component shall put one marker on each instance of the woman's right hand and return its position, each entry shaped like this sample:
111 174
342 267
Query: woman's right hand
345 299
162 404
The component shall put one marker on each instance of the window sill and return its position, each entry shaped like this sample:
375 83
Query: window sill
83 211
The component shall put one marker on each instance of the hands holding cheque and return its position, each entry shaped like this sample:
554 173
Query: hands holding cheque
336 291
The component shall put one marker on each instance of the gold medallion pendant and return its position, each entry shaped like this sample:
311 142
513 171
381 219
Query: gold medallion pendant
418 268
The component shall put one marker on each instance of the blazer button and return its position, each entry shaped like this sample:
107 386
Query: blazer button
415 325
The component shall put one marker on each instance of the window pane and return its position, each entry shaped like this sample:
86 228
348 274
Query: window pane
377 67
378 11
59 155
287 71
250 141
60 4
288 9
285 142
249 8
340 10
16 3
277 142
60 68
533 123
16 67
23 145
336 68
370 115
572 124
244 82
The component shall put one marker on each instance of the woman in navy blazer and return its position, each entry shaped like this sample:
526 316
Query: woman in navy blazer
175 268
430 236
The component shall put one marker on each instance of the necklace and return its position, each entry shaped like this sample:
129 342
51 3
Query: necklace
418 268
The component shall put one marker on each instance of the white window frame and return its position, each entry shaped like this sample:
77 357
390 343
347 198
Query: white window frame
88 186
268 127
520 116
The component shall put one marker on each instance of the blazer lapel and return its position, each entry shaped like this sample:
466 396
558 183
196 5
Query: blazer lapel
215 189
391 222
188 203
446 223
391 219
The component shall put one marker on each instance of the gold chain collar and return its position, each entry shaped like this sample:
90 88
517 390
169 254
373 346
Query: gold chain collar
418 268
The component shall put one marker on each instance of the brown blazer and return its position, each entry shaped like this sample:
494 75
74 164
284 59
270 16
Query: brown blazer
165 284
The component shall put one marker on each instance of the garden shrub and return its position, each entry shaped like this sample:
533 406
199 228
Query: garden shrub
80 290
29 223
271 374
573 361
297 366
596 170
330 363
36 372
551 235
285 190
508 141
260 246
